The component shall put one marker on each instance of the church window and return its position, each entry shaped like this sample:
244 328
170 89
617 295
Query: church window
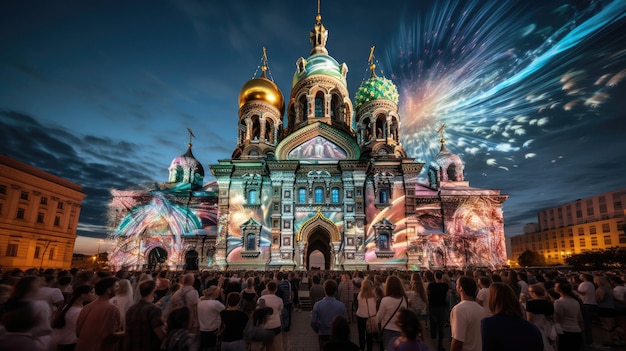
319 105
302 195
304 105
380 127
334 195
383 243
252 197
383 196
256 128
250 242
319 194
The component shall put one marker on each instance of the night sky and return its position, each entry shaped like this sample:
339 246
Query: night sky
532 93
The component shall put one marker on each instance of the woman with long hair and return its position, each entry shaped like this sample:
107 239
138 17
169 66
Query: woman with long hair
64 323
366 301
507 329
568 314
395 298
418 300
249 297
540 312
123 299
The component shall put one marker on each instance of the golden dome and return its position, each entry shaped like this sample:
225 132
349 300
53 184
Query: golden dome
262 89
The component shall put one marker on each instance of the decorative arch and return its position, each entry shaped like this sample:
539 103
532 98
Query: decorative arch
319 221
304 134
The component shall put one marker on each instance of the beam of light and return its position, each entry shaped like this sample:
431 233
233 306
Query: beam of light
497 77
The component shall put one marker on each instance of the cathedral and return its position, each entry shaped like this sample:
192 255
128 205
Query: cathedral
328 186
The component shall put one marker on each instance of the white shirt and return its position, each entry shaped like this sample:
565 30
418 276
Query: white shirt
389 306
483 296
465 320
276 303
587 293
209 317
619 292
67 334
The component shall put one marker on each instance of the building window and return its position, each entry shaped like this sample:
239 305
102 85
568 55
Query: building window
335 195
37 252
592 229
57 221
607 240
60 205
11 250
20 213
43 201
606 228
581 231
383 243
3 189
383 196
51 254
252 197
40 217
319 105
250 242
594 241
302 195
24 195
319 194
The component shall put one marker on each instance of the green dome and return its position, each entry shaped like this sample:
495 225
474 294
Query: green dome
376 88
319 64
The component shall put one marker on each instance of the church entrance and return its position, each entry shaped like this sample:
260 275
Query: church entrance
156 257
318 253
191 260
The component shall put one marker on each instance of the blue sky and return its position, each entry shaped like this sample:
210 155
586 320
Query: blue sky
101 92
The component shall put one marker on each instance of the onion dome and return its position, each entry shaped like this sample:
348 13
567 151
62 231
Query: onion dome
376 88
262 89
449 166
186 169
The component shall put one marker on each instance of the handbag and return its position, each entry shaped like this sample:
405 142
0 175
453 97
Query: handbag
371 325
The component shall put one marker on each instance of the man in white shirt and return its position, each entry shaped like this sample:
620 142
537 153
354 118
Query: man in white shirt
587 292
209 318
483 294
273 320
465 318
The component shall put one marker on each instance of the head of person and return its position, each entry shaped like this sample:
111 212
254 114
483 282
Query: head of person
271 286
106 287
146 288
394 287
233 298
537 291
26 287
125 287
280 276
210 292
367 287
330 287
503 301
484 281
19 316
340 329
408 323
250 283
438 276
467 286
162 274
316 279
188 279
179 318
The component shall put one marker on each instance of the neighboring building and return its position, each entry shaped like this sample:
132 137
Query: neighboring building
38 217
593 223
333 184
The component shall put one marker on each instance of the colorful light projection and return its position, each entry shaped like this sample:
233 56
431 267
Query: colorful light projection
500 74
160 223
318 148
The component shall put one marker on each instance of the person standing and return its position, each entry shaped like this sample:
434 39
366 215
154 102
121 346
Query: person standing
99 325
209 318
366 309
395 298
587 292
234 322
567 313
346 294
507 329
273 322
482 297
540 312
123 299
407 320
340 336
188 296
418 301
325 311
145 329
437 306
465 317
64 323
316 293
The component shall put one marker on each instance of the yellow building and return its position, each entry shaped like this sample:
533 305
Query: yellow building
594 223
38 217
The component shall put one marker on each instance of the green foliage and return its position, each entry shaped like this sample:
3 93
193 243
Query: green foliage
531 258
611 258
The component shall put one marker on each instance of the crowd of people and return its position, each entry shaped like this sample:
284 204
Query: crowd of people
250 310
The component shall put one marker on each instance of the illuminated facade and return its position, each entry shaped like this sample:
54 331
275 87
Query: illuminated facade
594 223
332 188
38 217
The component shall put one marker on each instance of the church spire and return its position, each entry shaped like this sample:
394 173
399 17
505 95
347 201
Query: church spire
370 61
318 35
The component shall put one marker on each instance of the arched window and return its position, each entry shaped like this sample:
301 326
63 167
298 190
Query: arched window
319 105
302 195
304 105
252 197
334 195
382 196
250 242
319 194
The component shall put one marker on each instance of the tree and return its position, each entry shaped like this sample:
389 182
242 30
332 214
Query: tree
531 258
598 260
